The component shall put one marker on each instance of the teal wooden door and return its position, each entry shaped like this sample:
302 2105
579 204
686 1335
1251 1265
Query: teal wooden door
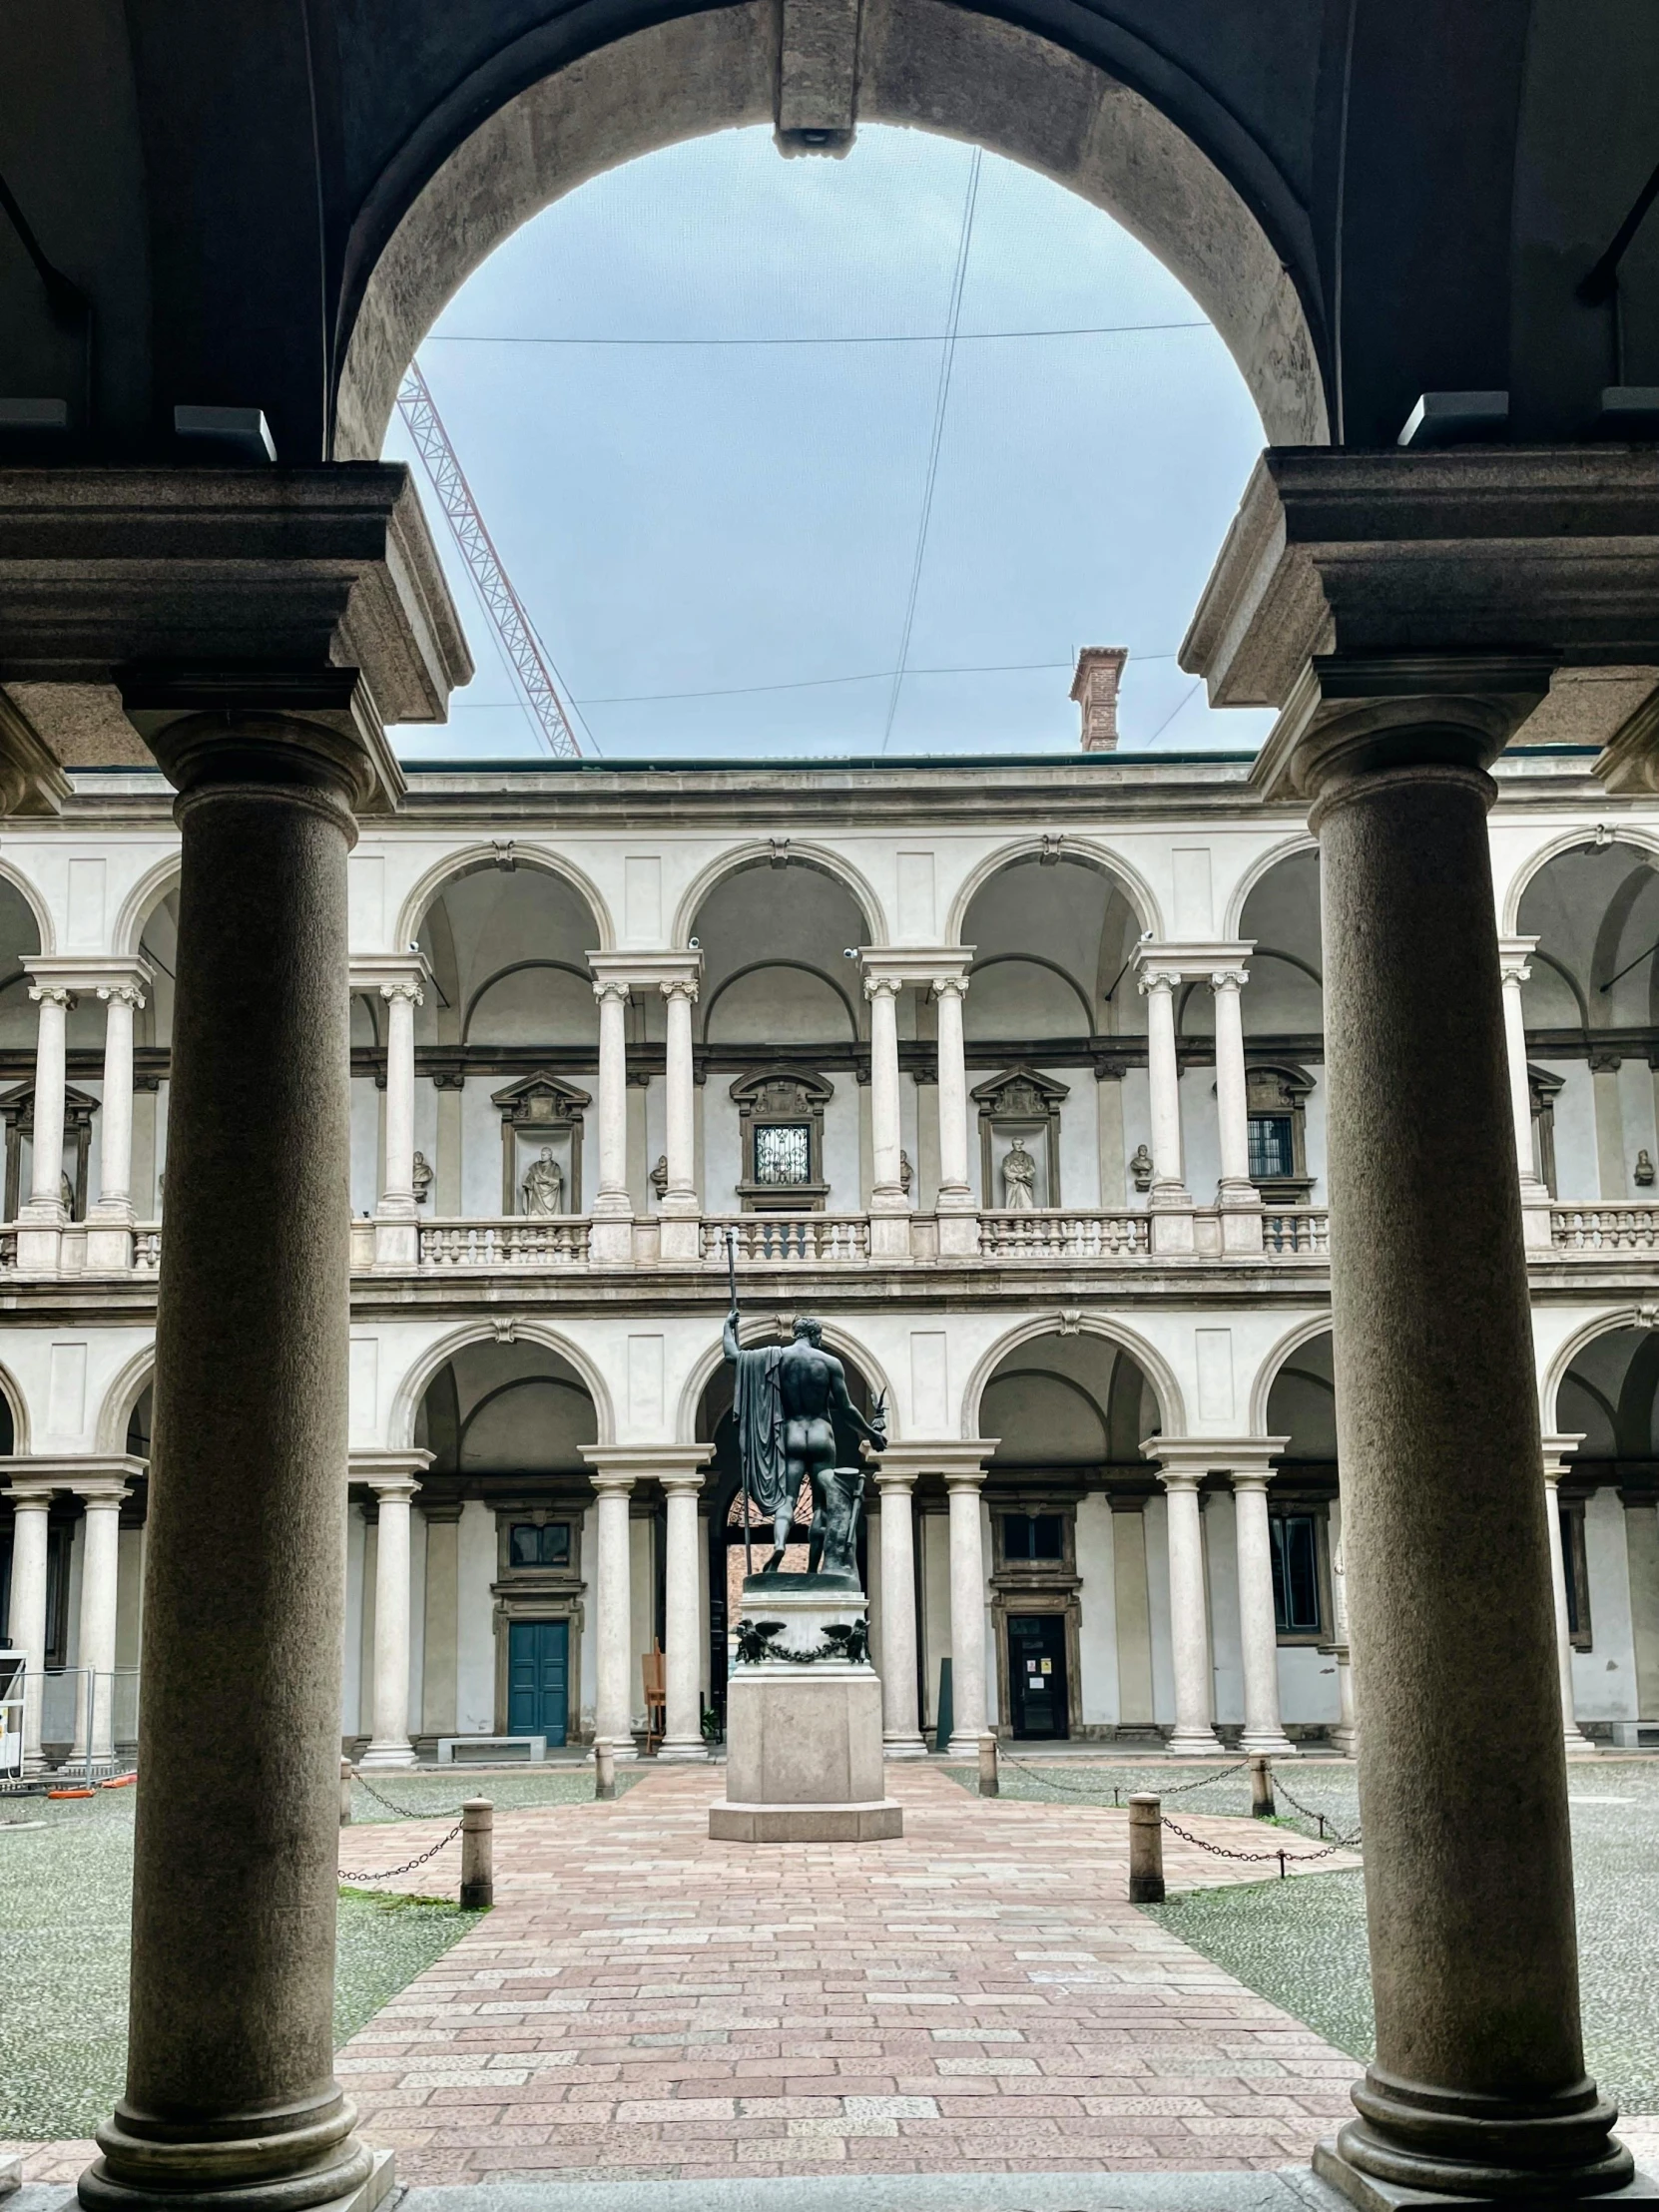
538 1679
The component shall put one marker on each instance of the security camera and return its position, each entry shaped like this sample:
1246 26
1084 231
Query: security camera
850 951
695 943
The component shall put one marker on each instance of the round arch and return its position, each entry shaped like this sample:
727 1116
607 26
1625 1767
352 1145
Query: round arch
1572 841
122 1397
1171 1412
802 967
141 902
1257 873
1604 1325
554 115
740 858
518 967
35 905
836 1339
406 1399
470 860
1038 960
1267 1375
1085 852
18 1406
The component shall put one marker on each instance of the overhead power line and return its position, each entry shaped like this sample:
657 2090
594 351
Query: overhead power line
942 402
826 683
895 337
505 608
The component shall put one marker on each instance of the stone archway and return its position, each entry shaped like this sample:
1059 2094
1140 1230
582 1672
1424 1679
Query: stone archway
551 120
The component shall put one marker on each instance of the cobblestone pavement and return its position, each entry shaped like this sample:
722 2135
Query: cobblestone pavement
977 1997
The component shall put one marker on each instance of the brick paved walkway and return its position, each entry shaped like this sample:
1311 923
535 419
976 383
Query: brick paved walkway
977 1997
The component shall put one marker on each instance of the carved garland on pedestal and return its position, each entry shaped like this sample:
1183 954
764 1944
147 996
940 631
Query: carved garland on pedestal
758 1642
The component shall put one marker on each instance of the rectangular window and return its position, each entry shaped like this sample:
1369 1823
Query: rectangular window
782 1152
1272 1153
546 1546
1296 1576
1032 1536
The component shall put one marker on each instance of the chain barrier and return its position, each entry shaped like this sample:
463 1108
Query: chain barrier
441 1813
1343 1843
348 1874
1252 1858
1043 1774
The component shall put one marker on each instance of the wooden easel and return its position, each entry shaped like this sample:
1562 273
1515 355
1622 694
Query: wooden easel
655 1669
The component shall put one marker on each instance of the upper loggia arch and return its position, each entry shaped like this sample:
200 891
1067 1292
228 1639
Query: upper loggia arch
1083 853
504 149
412 1388
1152 1364
472 858
738 858
1572 841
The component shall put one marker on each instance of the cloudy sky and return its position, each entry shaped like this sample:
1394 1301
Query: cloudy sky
740 477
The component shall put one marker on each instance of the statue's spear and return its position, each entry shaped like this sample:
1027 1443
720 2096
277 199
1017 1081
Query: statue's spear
743 1457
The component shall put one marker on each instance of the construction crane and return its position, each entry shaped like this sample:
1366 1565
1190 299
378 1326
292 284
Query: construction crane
503 605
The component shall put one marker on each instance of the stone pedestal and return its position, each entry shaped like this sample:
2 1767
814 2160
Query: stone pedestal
803 1719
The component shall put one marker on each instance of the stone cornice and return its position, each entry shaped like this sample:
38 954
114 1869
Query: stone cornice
89 971
103 1474
920 964
1193 1457
646 970
1195 959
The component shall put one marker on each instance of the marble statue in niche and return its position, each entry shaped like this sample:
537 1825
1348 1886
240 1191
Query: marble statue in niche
543 1186
1019 1180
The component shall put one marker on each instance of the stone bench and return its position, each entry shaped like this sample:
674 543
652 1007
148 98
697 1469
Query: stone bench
491 1751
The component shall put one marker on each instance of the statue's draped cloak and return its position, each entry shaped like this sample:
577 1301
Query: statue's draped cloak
759 1405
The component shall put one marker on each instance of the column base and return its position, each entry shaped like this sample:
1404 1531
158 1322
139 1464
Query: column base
960 1747
1195 1742
1536 1220
1578 1743
1266 1746
1619 2183
683 1751
399 1753
1344 1742
191 2177
39 1247
624 1750
1240 1206
1172 1224
911 1746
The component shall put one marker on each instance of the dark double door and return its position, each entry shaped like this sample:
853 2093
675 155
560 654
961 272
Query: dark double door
1037 1690
538 1679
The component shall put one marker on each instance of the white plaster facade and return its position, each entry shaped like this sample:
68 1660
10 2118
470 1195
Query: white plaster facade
943 961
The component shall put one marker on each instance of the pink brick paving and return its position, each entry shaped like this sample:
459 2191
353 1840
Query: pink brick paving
975 1997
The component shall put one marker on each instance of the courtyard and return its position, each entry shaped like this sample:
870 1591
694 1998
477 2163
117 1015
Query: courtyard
977 1998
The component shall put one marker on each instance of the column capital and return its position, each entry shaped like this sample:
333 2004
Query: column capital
645 972
84 975
612 989
960 1460
52 994
1165 964
679 987
1181 1462
1515 956
884 986
675 1466
928 967
388 1473
1229 978
1408 607
1557 1451
391 974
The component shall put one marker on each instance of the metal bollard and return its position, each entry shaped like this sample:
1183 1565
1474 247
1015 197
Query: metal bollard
1261 1788
477 1853
604 1771
989 1785
345 1793
1146 1849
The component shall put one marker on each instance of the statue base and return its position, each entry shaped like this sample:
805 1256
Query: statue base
803 1758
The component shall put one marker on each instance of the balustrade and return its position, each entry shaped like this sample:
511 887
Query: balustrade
790 1240
1604 1228
1297 1229
559 1241
1046 1235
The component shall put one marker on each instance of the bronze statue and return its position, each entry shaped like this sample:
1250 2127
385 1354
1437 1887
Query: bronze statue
788 1400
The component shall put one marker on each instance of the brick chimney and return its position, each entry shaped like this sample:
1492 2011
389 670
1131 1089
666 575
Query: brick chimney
1095 689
